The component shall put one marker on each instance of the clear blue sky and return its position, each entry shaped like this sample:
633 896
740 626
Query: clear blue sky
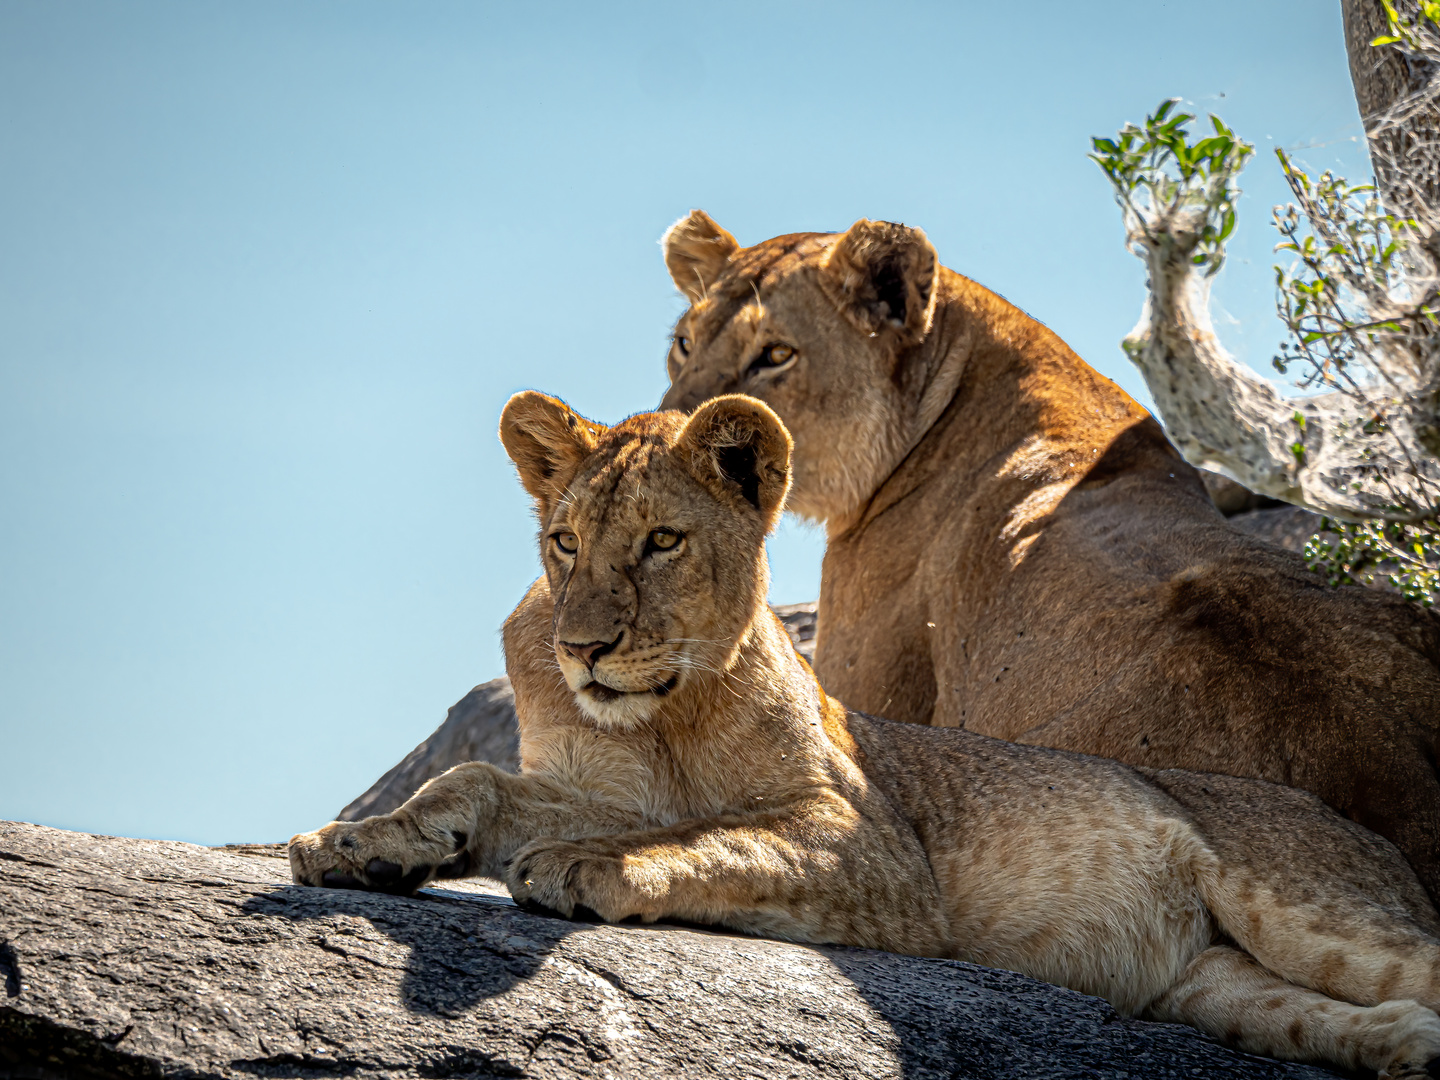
268 273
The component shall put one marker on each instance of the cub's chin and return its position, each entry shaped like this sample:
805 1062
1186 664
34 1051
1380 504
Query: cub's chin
620 709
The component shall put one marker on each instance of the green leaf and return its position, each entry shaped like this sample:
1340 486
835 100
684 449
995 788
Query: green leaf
1385 39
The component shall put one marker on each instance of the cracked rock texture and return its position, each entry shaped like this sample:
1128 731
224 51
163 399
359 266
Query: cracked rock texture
141 958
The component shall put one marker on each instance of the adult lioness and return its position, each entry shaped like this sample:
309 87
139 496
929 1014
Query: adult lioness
683 761
1015 548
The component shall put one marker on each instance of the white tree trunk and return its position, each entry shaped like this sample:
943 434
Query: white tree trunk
1224 417
1320 452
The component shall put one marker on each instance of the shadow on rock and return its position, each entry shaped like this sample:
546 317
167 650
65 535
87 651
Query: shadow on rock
462 946
932 1018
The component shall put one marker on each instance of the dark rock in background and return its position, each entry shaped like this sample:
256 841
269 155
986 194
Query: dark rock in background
140 958
478 727
1289 527
1231 498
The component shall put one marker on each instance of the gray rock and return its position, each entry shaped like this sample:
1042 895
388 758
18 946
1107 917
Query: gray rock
1231 498
478 727
799 619
481 727
1288 527
1285 526
139 958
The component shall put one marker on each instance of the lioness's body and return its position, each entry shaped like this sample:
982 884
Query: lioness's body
1015 548
680 760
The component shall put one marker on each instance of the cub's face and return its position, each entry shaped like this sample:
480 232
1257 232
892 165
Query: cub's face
815 325
652 536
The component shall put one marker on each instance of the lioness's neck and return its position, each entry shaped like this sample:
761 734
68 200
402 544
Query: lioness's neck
1004 401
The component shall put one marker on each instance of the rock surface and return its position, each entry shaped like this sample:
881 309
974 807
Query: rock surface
479 727
140 958
1288 527
1231 498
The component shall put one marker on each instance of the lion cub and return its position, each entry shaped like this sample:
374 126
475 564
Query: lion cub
680 760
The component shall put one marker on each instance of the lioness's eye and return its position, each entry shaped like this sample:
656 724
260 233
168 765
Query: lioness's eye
567 542
683 344
662 540
772 356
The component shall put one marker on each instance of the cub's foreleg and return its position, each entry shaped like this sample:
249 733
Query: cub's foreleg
1227 993
469 820
816 872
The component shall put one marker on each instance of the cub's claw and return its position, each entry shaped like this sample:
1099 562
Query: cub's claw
553 877
379 854
384 874
457 866
334 879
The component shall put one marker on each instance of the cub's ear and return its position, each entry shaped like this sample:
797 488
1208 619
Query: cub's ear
546 440
696 251
738 448
883 276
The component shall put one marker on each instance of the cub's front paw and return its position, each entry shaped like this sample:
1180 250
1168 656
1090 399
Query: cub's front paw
572 880
378 853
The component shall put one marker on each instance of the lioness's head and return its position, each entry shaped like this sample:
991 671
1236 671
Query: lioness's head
823 328
652 533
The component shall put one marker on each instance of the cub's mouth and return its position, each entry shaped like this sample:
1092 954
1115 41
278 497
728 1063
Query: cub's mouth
600 692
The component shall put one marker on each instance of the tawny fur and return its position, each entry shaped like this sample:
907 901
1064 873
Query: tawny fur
714 781
1015 548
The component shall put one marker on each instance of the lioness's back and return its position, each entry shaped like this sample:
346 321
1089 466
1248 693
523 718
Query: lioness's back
1014 547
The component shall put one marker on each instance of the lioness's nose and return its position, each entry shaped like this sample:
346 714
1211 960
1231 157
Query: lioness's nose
589 652
687 397
676 398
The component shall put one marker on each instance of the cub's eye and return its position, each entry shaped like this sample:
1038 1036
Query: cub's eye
567 542
661 540
683 344
772 356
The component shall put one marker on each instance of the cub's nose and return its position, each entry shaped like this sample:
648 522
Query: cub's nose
589 652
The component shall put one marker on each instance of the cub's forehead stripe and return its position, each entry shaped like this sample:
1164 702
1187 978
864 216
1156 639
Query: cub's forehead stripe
627 463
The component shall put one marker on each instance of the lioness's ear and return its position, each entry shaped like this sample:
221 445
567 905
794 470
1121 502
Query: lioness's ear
546 440
696 251
882 276
737 447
